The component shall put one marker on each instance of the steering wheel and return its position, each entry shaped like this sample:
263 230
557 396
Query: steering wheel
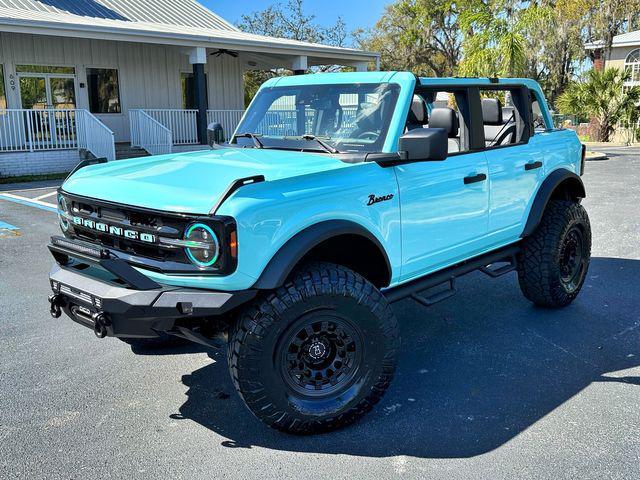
368 136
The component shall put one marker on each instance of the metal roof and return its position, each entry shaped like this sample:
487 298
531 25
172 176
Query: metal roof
170 12
48 22
628 39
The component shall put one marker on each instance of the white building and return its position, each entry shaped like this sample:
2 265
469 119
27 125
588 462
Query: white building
83 74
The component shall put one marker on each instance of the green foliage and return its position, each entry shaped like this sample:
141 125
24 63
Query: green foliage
421 36
288 20
603 96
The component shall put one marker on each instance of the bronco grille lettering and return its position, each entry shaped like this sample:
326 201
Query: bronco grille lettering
114 230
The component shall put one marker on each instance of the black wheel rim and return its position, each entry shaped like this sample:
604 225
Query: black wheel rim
322 354
572 259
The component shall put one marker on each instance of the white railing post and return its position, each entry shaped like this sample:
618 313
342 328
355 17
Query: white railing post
29 130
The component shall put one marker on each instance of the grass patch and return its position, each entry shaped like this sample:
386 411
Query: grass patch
33 178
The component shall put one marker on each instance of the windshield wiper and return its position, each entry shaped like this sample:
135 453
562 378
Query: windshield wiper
256 141
324 145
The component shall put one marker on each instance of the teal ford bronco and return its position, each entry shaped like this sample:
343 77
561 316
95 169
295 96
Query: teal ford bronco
336 196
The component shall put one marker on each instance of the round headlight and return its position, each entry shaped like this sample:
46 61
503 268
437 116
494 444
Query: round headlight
203 249
63 211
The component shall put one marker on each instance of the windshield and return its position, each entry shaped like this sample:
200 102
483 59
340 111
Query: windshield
324 118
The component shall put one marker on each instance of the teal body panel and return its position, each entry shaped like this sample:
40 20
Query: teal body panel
440 214
432 221
190 182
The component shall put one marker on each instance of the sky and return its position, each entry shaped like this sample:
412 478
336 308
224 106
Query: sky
355 13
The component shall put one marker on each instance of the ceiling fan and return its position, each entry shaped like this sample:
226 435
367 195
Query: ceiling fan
224 51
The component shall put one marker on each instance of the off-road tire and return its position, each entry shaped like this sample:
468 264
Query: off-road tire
264 349
543 273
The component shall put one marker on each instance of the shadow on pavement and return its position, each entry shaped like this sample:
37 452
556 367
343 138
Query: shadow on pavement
473 372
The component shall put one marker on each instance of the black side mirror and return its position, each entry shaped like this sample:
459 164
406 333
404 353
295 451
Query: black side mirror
424 144
215 134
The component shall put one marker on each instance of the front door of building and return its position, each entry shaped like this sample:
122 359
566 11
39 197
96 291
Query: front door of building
50 99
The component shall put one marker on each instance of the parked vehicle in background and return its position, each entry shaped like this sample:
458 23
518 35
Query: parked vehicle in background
337 195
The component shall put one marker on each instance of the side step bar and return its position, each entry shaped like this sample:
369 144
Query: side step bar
415 288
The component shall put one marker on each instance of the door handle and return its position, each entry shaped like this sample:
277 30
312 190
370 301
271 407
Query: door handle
532 165
480 177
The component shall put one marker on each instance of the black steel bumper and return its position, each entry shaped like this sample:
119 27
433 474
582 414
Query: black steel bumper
99 291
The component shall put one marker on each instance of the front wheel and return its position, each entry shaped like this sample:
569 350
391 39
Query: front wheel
315 354
553 264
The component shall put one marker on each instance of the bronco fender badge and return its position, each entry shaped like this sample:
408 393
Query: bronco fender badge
373 199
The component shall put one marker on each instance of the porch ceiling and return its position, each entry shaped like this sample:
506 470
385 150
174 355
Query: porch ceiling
269 49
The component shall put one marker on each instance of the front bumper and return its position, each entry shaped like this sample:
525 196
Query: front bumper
95 290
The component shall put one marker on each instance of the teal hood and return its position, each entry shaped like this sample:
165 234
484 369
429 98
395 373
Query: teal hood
190 182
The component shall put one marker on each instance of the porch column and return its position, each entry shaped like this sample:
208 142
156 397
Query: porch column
299 65
198 58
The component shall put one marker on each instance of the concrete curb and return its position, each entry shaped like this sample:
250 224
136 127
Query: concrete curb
596 156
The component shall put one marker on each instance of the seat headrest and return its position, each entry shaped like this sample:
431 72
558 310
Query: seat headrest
446 118
418 112
491 111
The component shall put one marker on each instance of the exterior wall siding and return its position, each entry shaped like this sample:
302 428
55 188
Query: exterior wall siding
149 75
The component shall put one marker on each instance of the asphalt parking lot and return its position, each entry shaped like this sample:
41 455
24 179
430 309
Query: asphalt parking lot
487 387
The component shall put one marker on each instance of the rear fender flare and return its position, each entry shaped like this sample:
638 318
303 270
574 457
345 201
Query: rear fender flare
561 178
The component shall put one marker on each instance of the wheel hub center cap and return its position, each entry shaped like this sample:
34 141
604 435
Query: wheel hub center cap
317 350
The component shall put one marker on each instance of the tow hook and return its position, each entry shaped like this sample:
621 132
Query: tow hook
100 323
56 302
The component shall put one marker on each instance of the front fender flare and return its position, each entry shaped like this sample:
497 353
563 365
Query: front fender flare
545 193
285 260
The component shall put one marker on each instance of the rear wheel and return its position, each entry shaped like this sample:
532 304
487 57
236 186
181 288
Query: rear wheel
315 354
555 259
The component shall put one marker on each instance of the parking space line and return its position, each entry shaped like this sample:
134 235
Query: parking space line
8 230
30 202
7 226
50 194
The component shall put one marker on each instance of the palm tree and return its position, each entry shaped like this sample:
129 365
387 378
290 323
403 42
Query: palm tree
604 97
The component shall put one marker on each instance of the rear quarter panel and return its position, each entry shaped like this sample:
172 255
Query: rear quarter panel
560 149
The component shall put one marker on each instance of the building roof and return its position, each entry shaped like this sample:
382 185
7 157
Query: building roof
170 12
629 39
167 25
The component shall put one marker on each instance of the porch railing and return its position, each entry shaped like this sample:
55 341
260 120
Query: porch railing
95 136
149 134
23 130
229 119
182 123
34 130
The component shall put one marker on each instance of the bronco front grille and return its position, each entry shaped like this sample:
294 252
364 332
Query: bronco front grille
143 237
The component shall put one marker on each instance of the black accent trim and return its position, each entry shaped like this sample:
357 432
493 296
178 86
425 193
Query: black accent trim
127 312
447 276
545 192
286 259
63 251
532 165
235 185
583 159
85 163
480 177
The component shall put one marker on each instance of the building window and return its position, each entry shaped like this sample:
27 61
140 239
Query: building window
633 63
103 90
3 96
45 69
